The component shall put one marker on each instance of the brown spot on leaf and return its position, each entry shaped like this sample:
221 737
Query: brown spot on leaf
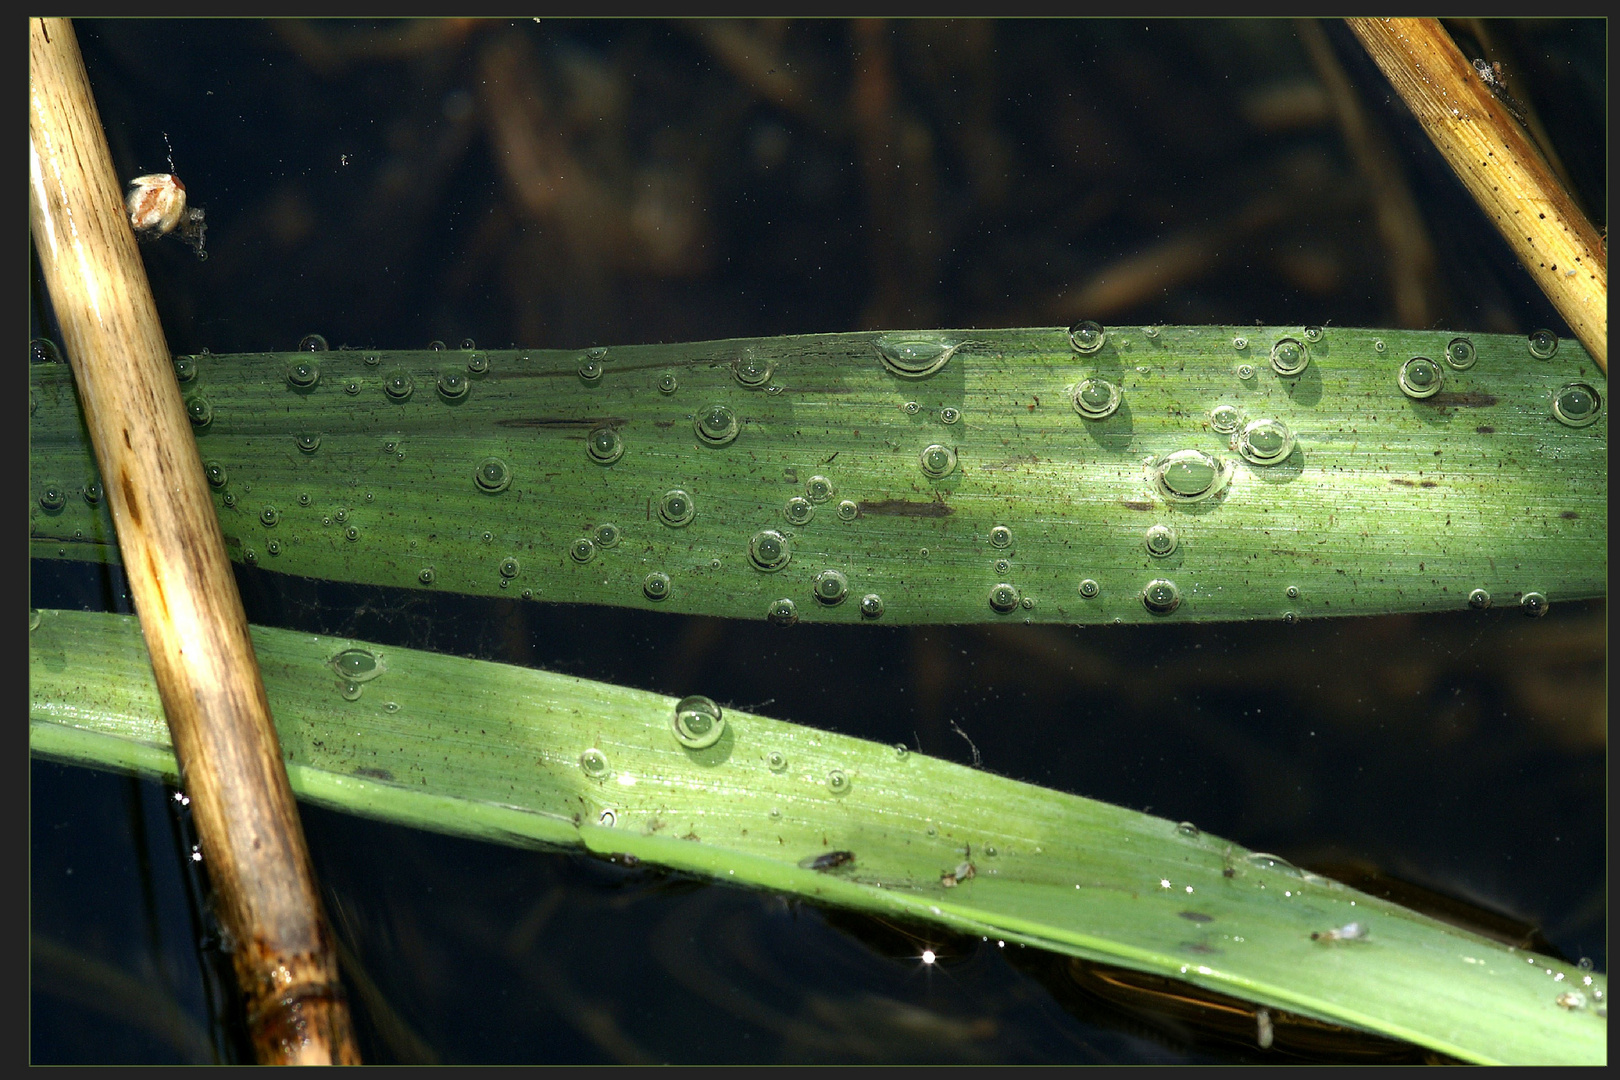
1466 399
587 423
906 508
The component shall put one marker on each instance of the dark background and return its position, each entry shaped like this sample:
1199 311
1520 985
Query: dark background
563 184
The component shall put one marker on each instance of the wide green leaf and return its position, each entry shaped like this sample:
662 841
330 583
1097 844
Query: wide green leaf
1105 475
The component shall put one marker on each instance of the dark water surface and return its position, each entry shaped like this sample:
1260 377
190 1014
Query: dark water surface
367 182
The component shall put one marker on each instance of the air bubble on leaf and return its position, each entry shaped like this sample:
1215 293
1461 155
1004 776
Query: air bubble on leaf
830 587
768 550
913 357
675 508
582 550
606 535
1161 597
1534 604
938 461
1543 344
311 343
798 510
751 371
594 762
776 761
848 510
399 386
53 498
1160 541
818 489
1460 354
1190 476
715 425
304 374
1096 399
1000 536
698 722
453 385
668 383
871 606
1225 419
508 568
590 370
492 476
1479 599
358 665
604 446
1420 377
1265 441
199 412
783 612
1089 588
1265 861
350 690
478 363
1576 405
309 442
1004 598
1289 357
838 781
655 586
1087 336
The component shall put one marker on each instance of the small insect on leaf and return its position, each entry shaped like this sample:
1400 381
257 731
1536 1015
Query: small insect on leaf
830 860
963 872
1351 931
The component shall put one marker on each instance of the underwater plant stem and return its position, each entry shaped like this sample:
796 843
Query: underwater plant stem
1501 168
190 612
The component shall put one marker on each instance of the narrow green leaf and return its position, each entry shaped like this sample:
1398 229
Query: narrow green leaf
532 758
